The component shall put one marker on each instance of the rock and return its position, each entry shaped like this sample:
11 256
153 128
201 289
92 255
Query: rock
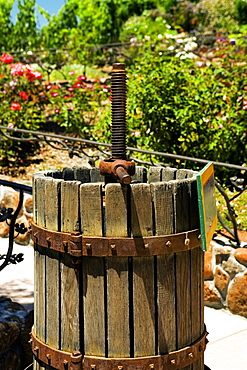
4 230
232 267
208 270
11 360
25 338
10 199
28 205
241 255
221 279
212 296
9 332
237 295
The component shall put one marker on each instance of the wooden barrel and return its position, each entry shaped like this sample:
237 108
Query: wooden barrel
118 271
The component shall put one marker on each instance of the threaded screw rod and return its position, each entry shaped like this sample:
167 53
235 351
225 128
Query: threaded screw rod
118 109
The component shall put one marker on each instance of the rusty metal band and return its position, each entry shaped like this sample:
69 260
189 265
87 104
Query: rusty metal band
79 245
75 361
56 358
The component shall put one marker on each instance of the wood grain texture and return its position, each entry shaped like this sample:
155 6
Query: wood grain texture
169 174
183 269
70 276
155 174
52 193
163 213
91 209
143 273
140 174
94 306
39 264
116 223
93 275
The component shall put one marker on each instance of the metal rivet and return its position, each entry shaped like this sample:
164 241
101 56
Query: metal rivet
120 367
65 364
187 242
173 362
36 234
36 349
199 237
168 243
48 356
190 355
113 246
151 366
48 240
88 245
146 246
93 367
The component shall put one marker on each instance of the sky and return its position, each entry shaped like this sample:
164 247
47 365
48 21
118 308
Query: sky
51 6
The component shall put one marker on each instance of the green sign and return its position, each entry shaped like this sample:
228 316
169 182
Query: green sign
207 205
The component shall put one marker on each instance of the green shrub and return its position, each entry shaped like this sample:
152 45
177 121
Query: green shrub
220 15
241 11
174 106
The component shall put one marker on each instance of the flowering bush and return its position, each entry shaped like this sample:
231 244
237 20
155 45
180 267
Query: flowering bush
28 101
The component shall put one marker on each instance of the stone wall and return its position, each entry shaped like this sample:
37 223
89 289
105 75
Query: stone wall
225 273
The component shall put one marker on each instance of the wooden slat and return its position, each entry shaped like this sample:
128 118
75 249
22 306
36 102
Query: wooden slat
163 211
183 269
197 277
155 174
143 273
169 174
93 272
82 174
70 277
52 188
39 261
91 209
116 223
140 174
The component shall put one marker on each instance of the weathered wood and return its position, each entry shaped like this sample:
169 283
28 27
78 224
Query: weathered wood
140 174
70 276
183 271
169 174
155 174
143 273
93 272
91 209
82 174
39 261
163 212
52 195
116 223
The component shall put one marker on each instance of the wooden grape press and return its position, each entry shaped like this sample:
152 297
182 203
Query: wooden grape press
118 263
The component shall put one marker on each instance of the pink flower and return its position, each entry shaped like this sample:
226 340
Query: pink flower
11 125
57 110
15 106
54 94
71 73
70 108
70 89
82 78
48 87
33 75
6 58
23 95
17 69
77 85
66 96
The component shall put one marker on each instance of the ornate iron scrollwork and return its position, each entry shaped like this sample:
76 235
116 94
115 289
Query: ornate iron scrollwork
9 216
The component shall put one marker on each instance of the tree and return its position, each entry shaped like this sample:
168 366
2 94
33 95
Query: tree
6 24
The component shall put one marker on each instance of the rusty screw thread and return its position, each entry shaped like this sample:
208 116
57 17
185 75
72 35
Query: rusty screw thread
118 107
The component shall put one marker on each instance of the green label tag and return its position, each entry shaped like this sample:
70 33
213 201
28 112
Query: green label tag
207 204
